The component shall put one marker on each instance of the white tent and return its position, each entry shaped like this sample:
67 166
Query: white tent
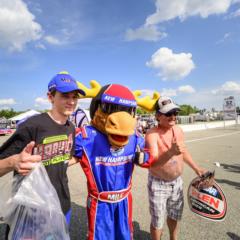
24 115
87 112
80 117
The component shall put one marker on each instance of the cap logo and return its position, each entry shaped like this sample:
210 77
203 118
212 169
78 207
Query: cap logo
52 86
66 80
165 102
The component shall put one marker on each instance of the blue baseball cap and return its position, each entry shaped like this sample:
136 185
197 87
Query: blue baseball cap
63 82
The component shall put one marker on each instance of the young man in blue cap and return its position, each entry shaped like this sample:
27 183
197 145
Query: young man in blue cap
53 135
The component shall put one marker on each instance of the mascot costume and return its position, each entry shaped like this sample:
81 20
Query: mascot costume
107 150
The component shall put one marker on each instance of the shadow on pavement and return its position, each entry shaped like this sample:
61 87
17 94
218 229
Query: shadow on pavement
2 231
231 168
233 236
138 233
78 227
234 184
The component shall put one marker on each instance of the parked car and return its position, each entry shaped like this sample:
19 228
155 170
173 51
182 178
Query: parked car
5 126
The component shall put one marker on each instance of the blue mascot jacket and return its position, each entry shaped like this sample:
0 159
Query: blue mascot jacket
109 174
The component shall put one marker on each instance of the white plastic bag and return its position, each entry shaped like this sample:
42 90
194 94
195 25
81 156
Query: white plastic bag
30 206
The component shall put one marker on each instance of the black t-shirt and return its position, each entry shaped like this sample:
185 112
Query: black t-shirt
54 142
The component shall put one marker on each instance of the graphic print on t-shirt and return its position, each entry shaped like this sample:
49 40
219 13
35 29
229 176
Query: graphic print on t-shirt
55 149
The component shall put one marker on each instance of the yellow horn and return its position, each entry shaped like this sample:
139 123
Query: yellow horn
147 102
90 92
63 72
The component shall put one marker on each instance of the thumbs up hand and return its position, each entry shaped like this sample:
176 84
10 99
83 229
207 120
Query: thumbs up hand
139 156
178 147
25 161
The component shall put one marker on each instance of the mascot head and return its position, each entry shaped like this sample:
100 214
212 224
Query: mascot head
113 110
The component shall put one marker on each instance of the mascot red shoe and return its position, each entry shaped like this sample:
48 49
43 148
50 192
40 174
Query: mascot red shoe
108 150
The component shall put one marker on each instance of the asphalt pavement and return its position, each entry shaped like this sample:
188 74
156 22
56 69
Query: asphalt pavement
220 145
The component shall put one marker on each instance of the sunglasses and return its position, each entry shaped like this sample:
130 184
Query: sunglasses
111 108
169 114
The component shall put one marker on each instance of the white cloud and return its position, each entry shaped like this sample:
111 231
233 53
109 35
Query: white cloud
212 98
171 66
5 108
168 10
84 103
85 100
205 98
186 89
40 45
229 87
17 25
226 36
147 33
202 99
52 40
168 92
235 14
42 101
7 101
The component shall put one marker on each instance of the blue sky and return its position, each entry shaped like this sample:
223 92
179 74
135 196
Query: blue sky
186 49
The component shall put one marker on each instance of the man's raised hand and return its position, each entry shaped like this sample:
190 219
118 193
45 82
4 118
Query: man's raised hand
177 147
25 161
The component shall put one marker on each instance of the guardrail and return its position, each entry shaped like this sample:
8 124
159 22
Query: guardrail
208 125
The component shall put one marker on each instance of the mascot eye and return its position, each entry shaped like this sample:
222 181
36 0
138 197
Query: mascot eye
111 108
130 110
106 108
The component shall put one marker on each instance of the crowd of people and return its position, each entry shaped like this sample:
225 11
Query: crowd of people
162 152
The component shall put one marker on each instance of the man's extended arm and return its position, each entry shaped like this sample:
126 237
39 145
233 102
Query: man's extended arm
189 161
73 161
22 162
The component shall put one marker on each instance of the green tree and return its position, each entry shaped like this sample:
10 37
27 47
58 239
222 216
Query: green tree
185 110
8 113
141 111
